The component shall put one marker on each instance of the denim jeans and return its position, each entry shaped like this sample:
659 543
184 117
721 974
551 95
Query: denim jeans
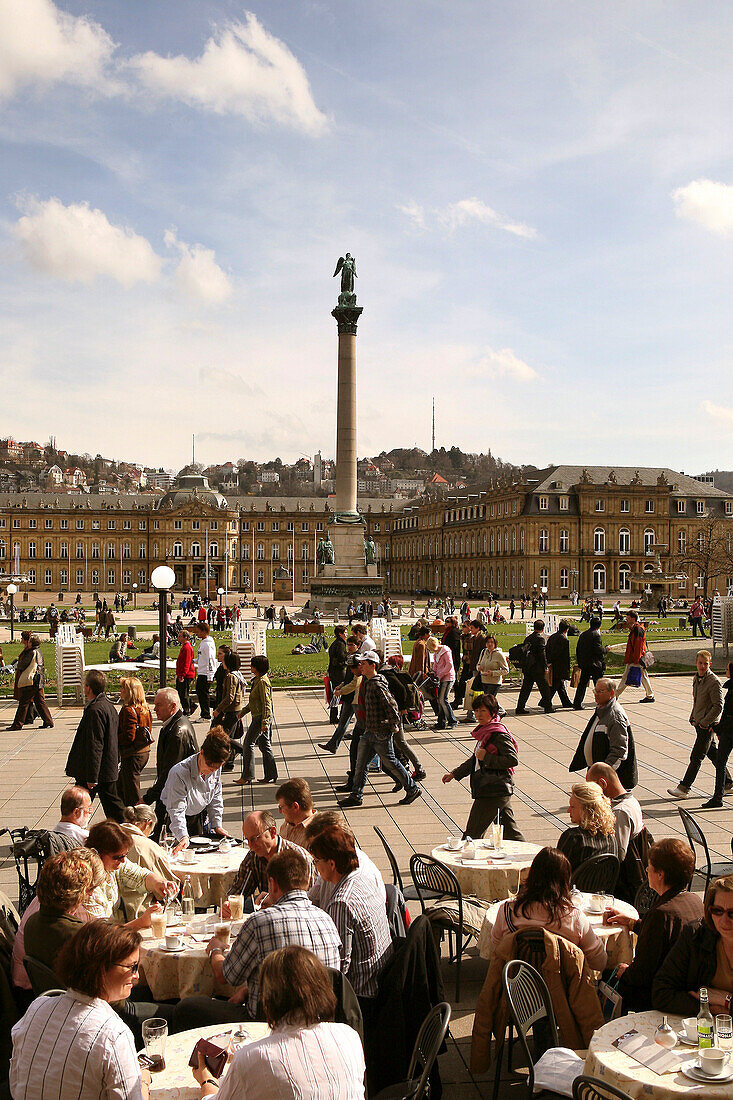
368 745
259 735
444 707
347 712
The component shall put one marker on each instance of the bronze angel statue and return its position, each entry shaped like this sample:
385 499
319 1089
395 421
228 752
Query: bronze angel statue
347 266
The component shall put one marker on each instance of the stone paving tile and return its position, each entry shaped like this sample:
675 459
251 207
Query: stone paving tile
32 779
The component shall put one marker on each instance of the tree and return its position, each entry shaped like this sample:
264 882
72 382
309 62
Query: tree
709 553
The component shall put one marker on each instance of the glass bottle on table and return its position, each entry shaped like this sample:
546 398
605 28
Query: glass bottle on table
704 1021
187 904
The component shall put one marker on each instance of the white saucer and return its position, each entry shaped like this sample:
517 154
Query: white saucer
682 1038
469 861
199 841
593 912
692 1070
498 855
171 950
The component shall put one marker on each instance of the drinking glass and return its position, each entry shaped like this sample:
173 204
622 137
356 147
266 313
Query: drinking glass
724 1032
155 1033
236 906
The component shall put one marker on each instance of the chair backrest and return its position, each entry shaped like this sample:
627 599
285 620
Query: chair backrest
42 977
396 876
599 874
590 1088
529 1003
434 879
529 945
430 1038
696 837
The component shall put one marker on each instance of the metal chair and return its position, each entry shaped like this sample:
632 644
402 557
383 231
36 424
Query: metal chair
696 837
42 977
30 851
590 1088
529 1003
436 882
430 1038
598 875
409 893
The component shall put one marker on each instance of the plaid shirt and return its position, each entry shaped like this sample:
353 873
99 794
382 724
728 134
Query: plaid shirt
360 916
252 874
293 919
382 712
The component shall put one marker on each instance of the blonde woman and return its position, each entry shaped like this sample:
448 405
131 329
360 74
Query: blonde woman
135 738
592 831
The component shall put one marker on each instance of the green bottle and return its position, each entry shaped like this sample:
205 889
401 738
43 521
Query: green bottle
704 1021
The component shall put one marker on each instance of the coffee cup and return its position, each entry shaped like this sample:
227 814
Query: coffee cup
189 855
173 941
595 905
225 846
453 843
690 1026
712 1060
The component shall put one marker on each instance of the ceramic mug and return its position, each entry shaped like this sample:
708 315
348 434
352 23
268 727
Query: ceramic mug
712 1060
173 942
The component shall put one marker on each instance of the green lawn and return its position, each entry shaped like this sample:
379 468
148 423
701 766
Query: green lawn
309 669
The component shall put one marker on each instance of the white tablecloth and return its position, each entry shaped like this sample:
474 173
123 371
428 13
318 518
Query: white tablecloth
174 974
176 1081
490 879
617 940
611 1065
211 874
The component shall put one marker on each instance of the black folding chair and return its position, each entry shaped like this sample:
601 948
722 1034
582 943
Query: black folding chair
598 875
590 1088
436 882
430 1038
530 1006
42 977
409 893
697 840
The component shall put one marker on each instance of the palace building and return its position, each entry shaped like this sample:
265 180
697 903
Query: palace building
589 529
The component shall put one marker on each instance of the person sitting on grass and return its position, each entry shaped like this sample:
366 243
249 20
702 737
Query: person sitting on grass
118 651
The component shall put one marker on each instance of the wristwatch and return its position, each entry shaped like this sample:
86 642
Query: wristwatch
210 1081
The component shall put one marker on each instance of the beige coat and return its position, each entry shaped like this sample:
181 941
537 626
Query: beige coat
572 991
144 853
492 667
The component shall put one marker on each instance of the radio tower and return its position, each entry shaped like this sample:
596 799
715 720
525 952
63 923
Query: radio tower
433 451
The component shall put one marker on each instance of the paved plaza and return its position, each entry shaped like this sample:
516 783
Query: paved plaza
32 778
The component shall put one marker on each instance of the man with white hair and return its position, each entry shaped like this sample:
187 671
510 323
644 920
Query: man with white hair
608 738
176 742
76 809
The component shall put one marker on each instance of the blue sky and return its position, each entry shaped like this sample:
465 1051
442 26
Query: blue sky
539 198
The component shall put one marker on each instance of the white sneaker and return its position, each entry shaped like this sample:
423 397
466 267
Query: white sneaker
678 792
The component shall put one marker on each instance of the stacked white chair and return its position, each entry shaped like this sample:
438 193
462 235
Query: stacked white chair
69 661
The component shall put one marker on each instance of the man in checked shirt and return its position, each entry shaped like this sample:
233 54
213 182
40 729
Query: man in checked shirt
381 723
259 830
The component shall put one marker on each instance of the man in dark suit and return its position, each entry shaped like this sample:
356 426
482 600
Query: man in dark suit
337 654
534 669
94 755
557 651
176 742
591 659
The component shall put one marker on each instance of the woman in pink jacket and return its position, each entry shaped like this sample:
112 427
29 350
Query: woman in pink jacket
446 673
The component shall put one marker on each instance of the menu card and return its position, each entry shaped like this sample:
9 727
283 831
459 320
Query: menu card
647 1052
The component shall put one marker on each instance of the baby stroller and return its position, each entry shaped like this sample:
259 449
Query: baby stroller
429 687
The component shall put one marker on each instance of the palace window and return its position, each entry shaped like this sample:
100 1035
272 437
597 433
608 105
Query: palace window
563 578
95 549
564 543
48 550
31 549
177 549
126 550
649 541
599 542
544 540
648 505
624 578
682 542
80 549
177 524
624 541
681 506
48 576
31 524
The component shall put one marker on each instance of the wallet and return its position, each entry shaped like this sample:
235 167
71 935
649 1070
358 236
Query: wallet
215 1056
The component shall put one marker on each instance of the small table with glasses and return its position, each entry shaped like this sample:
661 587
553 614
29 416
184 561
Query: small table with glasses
176 1081
211 873
494 874
182 973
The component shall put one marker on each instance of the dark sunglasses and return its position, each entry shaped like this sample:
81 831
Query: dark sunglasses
719 911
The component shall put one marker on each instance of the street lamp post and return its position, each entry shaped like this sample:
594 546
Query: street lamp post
162 579
134 597
11 590
221 593
544 599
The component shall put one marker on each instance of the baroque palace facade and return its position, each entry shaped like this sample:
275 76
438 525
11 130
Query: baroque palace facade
587 529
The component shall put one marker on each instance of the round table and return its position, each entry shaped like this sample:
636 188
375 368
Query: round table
616 940
174 974
211 874
490 879
616 1068
176 1081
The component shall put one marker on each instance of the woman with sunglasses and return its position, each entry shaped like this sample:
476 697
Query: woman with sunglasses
702 956
112 844
76 1045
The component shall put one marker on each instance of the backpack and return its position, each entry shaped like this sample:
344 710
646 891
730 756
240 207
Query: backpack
518 654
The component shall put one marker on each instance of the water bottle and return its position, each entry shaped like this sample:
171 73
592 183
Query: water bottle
704 1021
187 905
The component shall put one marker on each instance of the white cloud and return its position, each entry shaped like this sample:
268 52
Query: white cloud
39 44
708 203
720 413
458 214
198 275
242 70
77 244
503 363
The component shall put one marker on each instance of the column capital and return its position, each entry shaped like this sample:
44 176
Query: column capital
347 318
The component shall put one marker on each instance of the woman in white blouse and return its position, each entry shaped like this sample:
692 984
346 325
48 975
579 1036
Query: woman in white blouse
112 843
305 1054
75 1046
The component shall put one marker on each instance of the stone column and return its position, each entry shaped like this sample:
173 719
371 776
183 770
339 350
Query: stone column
347 318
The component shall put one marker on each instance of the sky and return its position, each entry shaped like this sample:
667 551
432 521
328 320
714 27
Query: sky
539 197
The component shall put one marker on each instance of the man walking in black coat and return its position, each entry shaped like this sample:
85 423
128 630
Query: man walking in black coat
94 755
176 742
534 669
591 659
557 651
337 654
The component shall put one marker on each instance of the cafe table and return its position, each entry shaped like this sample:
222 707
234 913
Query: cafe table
613 1067
494 875
618 941
176 1081
211 873
174 974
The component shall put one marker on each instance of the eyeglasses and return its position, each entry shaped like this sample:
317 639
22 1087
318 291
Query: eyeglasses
134 968
251 839
718 911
